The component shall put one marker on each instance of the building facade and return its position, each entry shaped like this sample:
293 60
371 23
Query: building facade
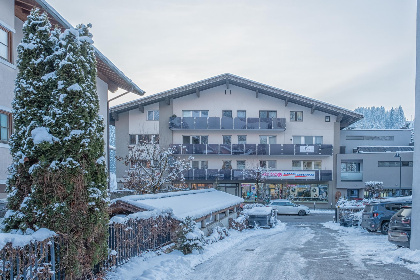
232 126
375 155
13 13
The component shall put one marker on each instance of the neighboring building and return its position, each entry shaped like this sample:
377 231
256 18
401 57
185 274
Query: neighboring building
12 15
231 125
372 155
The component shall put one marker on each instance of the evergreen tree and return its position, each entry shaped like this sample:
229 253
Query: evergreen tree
58 178
31 142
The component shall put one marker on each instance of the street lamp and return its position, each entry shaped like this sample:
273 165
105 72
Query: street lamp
399 156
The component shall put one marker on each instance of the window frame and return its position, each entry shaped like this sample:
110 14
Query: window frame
8 127
268 139
200 139
240 166
267 113
9 46
242 111
294 116
227 137
243 142
229 112
267 164
155 115
202 113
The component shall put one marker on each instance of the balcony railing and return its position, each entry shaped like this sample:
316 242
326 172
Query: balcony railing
249 175
351 176
216 123
254 149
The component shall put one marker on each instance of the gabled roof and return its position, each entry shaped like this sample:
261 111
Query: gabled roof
107 71
344 116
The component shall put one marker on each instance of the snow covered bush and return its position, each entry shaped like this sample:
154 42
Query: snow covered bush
374 188
58 177
189 237
217 234
153 169
240 223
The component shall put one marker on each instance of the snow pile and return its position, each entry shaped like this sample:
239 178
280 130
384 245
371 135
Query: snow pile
141 216
175 265
219 233
258 211
195 204
20 240
41 134
365 245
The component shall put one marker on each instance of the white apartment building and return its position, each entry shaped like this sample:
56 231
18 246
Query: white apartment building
13 13
230 124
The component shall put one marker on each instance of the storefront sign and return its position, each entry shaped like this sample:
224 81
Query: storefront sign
284 175
307 149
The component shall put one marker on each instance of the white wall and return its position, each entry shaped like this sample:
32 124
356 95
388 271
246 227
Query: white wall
139 123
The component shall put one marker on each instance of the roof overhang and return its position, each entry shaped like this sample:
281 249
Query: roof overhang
107 71
344 116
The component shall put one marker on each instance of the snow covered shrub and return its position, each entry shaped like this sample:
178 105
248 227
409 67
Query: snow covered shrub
189 237
58 177
218 233
240 223
252 205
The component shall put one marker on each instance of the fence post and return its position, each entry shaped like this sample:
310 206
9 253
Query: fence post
52 253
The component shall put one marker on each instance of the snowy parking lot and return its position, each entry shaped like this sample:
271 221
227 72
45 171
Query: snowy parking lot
310 247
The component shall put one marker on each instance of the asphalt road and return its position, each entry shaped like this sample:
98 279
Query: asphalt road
305 250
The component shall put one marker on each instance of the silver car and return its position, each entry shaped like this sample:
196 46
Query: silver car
285 206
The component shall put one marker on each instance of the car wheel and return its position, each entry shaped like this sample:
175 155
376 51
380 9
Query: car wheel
302 213
385 227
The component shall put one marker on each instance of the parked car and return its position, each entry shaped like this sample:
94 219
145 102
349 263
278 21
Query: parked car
376 215
400 227
285 206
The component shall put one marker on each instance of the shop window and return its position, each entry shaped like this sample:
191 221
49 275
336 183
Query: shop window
153 115
195 113
310 192
201 186
296 116
353 193
268 139
268 114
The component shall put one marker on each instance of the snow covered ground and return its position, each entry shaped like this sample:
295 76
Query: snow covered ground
375 248
175 265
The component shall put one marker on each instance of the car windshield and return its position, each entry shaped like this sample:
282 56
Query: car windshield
406 212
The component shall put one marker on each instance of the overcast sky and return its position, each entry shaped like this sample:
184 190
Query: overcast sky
348 53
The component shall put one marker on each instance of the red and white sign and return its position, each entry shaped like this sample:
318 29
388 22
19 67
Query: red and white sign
284 175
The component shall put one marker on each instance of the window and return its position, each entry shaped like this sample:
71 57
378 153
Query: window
241 114
195 139
227 113
4 127
227 139
227 164
350 166
204 164
380 138
5 45
308 140
132 139
195 113
327 118
153 115
268 114
268 139
148 138
296 116
240 164
353 193
395 163
306 164
269 164
241 139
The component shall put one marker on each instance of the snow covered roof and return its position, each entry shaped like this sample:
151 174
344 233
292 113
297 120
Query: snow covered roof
195 204
384 149
113 76
344 116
